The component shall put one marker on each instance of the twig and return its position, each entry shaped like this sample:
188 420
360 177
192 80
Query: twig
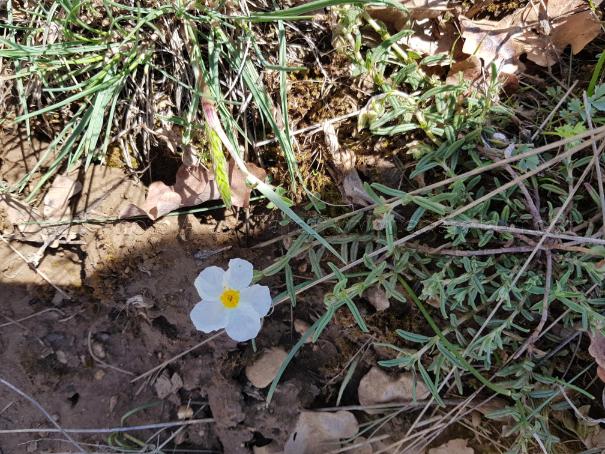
312 128
35 403
597 161
32 267
164 425
100 361
495 251
553 112
529 232
15 322
180 355
531 206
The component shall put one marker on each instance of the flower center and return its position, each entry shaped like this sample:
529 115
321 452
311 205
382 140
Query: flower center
230 298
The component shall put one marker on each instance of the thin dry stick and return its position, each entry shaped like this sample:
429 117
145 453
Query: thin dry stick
102 430
553 112
510 229
597 161
32 267
397 243
16 322
44 412
180 355
100 361
495 251
533 209
313 128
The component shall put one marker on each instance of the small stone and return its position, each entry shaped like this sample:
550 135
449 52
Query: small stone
61 356
98 350
301 327
184 412
315 430
113 401
262 372
57 298
378 387
378 298
99 374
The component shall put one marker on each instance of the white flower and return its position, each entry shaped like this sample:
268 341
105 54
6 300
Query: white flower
229 301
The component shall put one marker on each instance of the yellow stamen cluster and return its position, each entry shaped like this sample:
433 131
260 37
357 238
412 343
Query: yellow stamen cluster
230 298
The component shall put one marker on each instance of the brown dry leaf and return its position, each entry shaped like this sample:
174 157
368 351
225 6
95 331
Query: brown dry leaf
397 19
166 385
470 69
344 170
377 387
455 446
262 372
320 431
56 200
540 33
194 185
597 351
24 217
430 37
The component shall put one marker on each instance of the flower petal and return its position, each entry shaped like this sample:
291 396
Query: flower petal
209 283
209 316
239 274
244 324
257 296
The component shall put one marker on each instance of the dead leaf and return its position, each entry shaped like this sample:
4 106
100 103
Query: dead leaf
194 185
166 385
344 171
540 33
320 431
262 372
430 37
597 351
23 216
492 42
469 68
397 19
455 446
56 200
377 387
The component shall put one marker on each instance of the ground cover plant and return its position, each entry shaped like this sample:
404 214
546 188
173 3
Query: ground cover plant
432 194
